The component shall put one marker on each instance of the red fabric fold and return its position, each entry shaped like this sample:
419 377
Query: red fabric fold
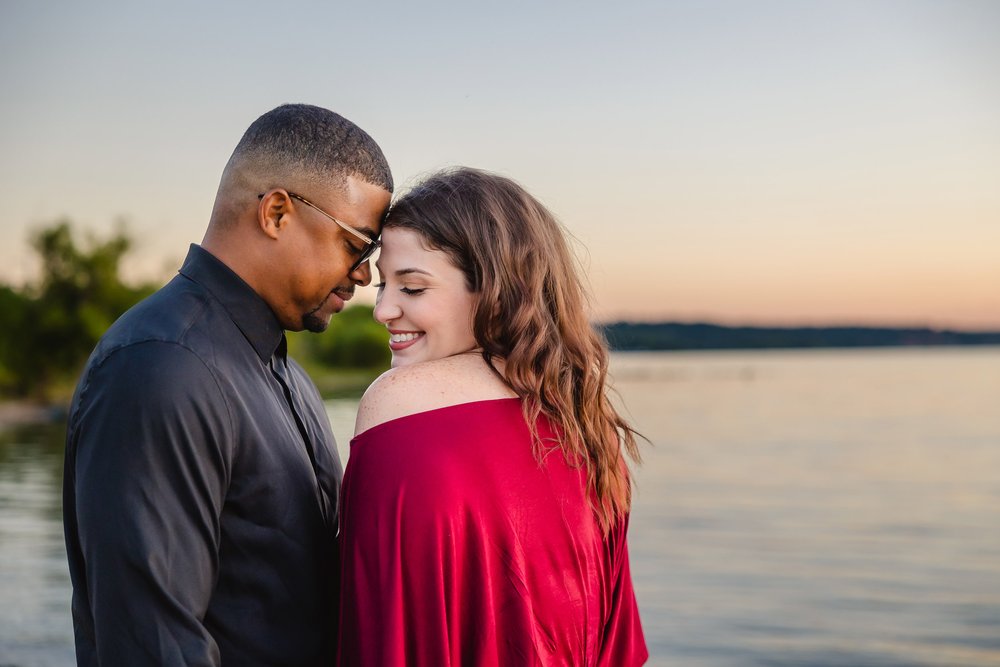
460 548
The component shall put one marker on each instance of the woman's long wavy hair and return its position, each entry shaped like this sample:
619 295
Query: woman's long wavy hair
531 313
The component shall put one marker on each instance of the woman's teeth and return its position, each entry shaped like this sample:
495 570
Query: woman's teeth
403 338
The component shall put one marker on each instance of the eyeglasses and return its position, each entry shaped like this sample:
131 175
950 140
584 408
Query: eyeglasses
371 245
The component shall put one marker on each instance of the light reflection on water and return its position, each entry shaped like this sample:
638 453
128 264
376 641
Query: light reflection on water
797 508
35 625
818 508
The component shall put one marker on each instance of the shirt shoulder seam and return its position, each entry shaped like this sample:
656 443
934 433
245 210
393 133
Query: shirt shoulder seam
124 346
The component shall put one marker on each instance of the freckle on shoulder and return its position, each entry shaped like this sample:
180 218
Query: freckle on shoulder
395 393
426 386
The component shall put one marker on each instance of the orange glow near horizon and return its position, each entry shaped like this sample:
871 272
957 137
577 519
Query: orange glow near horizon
737 171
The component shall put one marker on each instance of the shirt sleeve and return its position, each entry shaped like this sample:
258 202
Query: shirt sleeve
151 435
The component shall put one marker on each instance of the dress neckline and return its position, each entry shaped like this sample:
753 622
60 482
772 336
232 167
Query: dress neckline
423 413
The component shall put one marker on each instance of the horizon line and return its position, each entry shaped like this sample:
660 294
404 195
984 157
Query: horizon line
786 325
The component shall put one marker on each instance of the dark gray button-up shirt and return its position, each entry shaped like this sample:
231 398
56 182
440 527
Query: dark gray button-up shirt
201 486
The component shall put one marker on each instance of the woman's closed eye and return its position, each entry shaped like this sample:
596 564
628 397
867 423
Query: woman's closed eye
405 290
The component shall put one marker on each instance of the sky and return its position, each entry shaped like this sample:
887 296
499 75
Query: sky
742 162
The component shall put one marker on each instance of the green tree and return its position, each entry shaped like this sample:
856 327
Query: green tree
13 319
354 340
57 321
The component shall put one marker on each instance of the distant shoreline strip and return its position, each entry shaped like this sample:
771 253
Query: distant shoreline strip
656 336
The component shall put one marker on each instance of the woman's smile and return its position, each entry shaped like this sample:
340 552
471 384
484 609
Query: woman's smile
423 300
400 340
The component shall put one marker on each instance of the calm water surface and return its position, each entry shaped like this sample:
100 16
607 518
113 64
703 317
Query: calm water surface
796 508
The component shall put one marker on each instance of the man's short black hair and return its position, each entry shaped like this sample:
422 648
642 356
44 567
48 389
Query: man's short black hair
317 141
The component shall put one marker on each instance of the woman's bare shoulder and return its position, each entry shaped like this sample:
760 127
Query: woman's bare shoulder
427 386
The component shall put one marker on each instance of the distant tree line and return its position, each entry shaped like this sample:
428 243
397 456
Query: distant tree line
678 336
49 326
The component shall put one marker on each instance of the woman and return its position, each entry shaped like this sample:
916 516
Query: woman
486 499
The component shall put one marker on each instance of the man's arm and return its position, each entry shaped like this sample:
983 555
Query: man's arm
152 436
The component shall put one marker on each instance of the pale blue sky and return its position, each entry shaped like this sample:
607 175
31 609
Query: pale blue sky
737 161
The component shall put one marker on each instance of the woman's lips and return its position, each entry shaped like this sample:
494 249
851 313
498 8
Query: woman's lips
400 340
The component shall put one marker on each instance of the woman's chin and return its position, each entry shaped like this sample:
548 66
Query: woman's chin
399 360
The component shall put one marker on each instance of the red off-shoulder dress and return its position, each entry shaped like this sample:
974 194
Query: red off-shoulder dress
459 548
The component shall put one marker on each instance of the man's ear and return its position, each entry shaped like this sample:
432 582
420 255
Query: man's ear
271 211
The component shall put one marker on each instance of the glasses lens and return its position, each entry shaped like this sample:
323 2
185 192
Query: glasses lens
366 254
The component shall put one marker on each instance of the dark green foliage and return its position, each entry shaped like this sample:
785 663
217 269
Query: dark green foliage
50 326
353 340
13 329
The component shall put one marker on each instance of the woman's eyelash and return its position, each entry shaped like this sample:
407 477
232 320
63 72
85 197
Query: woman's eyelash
405 290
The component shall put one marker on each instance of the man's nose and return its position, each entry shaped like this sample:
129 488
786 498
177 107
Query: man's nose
362 274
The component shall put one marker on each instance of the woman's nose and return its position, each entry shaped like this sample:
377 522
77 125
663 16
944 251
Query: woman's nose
385 310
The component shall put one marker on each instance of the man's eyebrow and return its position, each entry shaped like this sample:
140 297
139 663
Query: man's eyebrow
369 232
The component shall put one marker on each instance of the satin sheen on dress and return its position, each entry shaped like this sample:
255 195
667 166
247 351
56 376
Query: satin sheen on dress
459 548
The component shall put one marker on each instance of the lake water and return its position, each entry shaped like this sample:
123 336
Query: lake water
813 508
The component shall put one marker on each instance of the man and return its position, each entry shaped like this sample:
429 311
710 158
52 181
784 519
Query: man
201 480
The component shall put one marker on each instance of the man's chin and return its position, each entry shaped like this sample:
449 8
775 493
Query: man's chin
314 323
334 303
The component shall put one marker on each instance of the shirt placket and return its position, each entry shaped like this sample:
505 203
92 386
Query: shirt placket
279 368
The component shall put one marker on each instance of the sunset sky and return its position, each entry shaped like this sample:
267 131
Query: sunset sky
735 161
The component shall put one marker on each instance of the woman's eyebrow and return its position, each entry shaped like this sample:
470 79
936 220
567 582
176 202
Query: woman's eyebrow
404 272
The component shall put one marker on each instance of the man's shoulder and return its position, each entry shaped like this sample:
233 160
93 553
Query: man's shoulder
181 312
170 329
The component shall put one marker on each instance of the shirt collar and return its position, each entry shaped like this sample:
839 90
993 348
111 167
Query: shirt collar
248 311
